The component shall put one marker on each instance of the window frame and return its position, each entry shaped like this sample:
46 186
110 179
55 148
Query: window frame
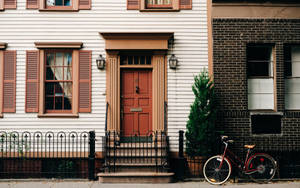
272 76
174 6
289 77
55 81
2 48
73 7
270 62
71 46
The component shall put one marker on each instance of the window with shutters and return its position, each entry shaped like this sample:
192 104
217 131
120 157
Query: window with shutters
8 4
57 5
159 5
63 87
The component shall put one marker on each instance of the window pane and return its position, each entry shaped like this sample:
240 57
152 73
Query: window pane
68 59
136 60
59 89
50 2
49 103
67 3
59 59
50 59
68 89
67 73
258 69
49 73
49 89
59 73
68 103
295 56
130 60
58 103
142 60
148 60
259 61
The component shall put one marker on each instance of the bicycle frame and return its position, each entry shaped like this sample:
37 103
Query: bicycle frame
236 161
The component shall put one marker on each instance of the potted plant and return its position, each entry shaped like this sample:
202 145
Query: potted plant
200 134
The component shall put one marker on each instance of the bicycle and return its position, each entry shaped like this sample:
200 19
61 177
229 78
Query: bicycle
261 167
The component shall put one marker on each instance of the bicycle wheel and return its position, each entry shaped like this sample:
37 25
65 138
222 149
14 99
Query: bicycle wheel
263 166
215 175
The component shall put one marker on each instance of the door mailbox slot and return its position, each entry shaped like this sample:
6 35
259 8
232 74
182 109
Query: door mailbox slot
136 109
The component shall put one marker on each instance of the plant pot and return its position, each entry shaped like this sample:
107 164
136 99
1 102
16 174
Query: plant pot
195 166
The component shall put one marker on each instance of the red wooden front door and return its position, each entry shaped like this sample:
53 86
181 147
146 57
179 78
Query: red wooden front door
136 102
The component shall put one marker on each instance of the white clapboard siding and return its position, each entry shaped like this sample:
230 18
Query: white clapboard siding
22 27
260 94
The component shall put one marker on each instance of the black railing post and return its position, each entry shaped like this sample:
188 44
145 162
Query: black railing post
181 160
181 144
91 164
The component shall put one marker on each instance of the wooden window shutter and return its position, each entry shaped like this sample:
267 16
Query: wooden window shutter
10 4
9 82
32 4
185 4
84 4
85 78
133 4
32 81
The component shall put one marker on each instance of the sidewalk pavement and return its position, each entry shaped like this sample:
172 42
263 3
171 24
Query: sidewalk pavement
95 184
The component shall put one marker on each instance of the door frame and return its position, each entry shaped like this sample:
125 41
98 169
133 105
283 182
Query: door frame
159 89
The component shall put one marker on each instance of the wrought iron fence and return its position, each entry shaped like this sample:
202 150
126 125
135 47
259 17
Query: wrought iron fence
151 150
47 155
186 167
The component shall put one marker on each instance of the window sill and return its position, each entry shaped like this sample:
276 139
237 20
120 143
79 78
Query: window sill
159 10
58 116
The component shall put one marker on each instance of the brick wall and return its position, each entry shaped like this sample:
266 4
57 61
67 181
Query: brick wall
230 39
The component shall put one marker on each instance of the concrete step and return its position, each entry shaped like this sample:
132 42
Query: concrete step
137 167
138 153
136 145
143 160
135 177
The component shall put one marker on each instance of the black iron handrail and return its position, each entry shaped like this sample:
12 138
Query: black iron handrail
136 149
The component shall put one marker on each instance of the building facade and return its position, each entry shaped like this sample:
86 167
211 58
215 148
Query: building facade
256 56
49 76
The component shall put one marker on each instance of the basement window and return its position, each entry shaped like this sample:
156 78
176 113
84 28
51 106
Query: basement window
266 123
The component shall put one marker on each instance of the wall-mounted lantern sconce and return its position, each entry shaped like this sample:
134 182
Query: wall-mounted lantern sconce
100 61
173 61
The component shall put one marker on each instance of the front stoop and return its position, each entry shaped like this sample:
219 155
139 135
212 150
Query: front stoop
136 177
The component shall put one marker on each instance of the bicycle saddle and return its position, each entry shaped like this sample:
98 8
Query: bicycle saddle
249 146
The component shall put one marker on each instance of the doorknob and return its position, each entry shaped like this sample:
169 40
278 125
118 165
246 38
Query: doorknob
137 89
